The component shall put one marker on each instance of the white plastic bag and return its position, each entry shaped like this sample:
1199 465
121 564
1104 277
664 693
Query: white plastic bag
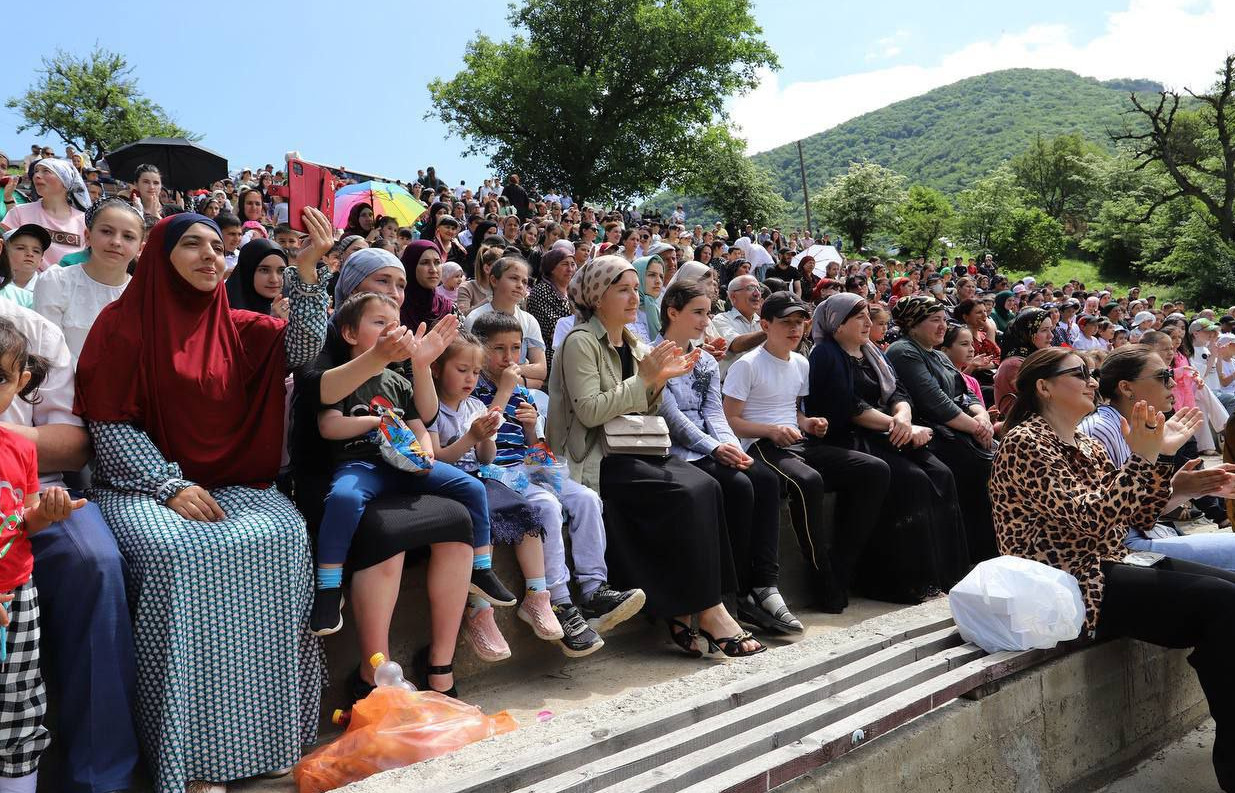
1010 603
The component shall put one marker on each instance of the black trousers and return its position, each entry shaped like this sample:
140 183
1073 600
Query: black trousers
1182 604
752 514
832 547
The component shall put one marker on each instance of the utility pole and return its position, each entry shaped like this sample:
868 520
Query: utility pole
805 194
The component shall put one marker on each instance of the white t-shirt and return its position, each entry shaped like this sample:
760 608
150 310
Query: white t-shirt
769 386
451 425
55 404
531 328
71 299
1225 367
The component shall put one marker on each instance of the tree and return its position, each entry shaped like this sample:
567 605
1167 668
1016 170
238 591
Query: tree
925 216
92 103
861 201
734 187
1057 174
1027 239
603 98
1195 148
983 206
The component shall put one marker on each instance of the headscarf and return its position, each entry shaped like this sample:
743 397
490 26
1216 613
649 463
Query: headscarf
241 293
688 271
563 245
897 284
650 306
359 266
449 269
912 310
591 280
204 382
74 185
1018 338
1001 315
421 304
428 231
551 260
830 315
478 238
353 220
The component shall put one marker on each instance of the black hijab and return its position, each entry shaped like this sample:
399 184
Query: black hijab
240 291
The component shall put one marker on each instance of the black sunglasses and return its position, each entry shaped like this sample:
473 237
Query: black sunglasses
1081 373
1165 376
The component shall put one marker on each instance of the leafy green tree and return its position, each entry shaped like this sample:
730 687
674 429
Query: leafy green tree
985 205
92 103
925 216
1058 175
734 188
1028 239
861 201
1199 264
603 98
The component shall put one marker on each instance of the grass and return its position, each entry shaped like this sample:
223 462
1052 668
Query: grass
1087 274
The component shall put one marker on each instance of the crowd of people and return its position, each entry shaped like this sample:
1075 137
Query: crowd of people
224 390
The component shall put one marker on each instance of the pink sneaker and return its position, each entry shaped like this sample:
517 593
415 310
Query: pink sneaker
537 611
481 632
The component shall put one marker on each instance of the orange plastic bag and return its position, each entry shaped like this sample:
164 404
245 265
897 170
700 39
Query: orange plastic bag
394 727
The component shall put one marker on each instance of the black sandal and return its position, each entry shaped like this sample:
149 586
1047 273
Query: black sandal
422 670
731 646
357 688
684 637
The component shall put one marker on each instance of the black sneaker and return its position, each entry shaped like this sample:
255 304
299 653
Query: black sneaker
578 638
327 615
487 585
607 608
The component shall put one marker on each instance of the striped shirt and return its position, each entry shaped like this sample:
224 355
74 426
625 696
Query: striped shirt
511 444
1103 425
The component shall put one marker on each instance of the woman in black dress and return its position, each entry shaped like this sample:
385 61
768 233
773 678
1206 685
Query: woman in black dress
923 548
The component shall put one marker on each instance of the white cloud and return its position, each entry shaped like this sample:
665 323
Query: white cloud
888 46
1177 42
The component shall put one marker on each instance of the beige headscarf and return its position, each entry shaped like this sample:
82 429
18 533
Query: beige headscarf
591 280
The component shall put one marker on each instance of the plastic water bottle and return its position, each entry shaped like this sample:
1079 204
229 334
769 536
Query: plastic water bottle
388 673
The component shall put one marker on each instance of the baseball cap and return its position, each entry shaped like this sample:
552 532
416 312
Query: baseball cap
31 230
782 304
1226 319
1019 289
1201 324
659 247
1226 338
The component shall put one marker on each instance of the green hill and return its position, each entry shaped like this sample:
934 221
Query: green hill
952 135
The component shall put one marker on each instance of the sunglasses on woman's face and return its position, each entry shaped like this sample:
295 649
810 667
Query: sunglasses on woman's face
1081 373
1165 376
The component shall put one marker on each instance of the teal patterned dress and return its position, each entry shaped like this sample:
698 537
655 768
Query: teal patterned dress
229 679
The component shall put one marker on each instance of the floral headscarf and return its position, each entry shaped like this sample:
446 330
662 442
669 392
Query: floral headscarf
911 311
1018 338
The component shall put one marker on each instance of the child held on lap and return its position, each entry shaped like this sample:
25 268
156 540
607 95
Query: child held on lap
603 607
463 435
22 700
361 474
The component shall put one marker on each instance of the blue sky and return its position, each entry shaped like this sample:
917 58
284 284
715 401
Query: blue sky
258 79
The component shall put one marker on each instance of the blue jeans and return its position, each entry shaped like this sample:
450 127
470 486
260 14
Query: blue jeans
1215 550
358 482
87 644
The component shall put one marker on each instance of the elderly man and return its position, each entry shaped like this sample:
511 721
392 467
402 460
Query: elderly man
739 326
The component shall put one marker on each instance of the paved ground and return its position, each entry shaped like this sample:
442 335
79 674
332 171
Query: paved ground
1180 766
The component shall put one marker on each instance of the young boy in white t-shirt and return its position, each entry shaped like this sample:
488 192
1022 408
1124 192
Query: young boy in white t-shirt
762 399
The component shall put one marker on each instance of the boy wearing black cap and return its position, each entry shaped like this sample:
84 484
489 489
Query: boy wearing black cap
762 400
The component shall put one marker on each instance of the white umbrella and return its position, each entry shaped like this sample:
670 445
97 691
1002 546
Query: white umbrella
822 254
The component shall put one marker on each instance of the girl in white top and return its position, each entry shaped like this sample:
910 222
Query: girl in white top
509 279
72 297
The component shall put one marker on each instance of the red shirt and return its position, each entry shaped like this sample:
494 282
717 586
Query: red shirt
19 476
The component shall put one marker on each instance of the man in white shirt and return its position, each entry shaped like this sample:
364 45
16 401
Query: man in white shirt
739 326
87 639
762 400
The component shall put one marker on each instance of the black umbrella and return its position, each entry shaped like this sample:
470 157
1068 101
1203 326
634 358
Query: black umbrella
183 164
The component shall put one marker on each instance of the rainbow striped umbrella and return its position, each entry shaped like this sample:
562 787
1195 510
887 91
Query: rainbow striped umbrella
386 199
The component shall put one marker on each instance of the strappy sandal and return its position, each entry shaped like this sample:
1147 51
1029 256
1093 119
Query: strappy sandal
684 637
731 646
422 670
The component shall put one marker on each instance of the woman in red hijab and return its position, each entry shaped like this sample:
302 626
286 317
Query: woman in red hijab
184 398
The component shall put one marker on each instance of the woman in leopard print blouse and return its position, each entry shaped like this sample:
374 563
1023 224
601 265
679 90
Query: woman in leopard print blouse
1058 499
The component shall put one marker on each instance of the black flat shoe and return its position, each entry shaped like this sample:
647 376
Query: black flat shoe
422 670
357 688
487 585
684 637
731 646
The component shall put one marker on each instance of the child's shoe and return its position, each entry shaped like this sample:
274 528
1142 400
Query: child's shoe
327 615
487 585
578 638
536 611
606 608
481 632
